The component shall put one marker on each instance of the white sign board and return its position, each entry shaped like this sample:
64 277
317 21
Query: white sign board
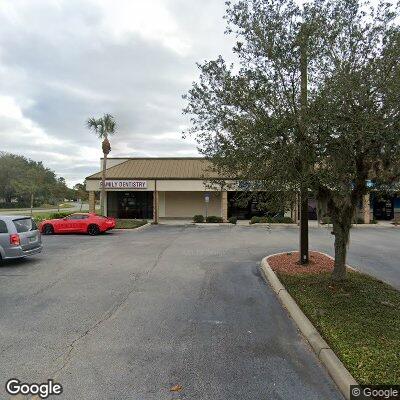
124 184
207 197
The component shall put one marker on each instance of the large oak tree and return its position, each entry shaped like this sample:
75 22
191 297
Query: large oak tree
251 120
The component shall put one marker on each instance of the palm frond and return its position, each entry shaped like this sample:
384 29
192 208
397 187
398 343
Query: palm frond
102 126
109 123
92 123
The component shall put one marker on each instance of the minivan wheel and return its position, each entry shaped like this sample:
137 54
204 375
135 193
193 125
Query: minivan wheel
48 230
93 230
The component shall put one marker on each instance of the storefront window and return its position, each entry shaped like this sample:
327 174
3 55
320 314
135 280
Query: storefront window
131 204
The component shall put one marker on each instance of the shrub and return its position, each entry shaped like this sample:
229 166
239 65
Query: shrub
59 215
326 220
214 219
271 220
232 220
198 218
282 220
40 217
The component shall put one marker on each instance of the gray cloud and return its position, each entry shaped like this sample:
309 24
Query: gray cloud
61 62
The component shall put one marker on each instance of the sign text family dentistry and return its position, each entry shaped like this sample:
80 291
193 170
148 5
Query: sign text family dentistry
124 184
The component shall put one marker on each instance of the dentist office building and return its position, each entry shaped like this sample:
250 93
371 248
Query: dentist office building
170 188
179 188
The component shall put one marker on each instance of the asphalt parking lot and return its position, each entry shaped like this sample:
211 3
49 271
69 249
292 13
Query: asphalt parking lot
128 315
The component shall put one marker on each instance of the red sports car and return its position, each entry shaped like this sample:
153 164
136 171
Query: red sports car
90 223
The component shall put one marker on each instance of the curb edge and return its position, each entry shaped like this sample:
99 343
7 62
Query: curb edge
339 373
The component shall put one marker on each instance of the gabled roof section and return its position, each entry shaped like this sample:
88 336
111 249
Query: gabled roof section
160 168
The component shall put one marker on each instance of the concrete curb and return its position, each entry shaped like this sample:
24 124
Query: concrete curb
139 228
272 225
145 226
244 225
340 375
361 226
225 224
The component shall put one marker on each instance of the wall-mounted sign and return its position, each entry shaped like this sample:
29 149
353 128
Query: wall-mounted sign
124 184
207 197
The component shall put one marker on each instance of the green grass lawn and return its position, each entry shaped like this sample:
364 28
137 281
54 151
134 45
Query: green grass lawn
129 223
360 320
38 209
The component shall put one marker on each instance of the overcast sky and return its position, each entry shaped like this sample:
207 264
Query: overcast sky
62 61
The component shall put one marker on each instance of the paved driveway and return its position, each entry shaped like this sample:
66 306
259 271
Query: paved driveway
129 314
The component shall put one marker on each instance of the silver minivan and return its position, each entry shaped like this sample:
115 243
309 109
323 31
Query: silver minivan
19 237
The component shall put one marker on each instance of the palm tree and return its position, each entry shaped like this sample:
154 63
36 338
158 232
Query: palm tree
103 127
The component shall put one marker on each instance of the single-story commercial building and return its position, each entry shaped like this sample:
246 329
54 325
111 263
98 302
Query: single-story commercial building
169 187
152 188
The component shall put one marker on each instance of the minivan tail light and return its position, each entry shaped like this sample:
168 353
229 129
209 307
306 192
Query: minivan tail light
15 240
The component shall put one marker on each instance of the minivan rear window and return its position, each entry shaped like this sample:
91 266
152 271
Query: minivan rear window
3 227
24 225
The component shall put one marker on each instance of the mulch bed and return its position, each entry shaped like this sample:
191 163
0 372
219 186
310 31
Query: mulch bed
288 263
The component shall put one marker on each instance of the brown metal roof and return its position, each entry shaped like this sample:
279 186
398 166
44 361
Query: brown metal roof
160 168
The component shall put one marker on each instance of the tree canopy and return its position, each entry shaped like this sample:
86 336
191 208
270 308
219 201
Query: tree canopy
249 119
22 178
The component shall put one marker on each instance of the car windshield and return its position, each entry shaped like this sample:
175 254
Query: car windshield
24 225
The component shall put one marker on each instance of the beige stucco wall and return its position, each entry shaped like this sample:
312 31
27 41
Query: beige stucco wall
188 204
161 204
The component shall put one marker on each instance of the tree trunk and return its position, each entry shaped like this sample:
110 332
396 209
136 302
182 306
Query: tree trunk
106 149
341 228
103 184
341 240
304 227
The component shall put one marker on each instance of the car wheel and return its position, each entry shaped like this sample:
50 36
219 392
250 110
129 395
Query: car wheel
48 230
93 230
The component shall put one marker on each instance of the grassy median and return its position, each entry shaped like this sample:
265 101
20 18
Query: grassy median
360 320
129 223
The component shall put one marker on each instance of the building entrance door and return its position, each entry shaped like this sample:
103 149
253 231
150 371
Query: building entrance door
130 205
383 208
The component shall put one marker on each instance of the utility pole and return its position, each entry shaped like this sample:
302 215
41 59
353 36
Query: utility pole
303 116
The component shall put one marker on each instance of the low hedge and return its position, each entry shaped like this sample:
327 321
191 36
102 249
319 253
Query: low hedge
232 220
198 218
54 215
360 221
326 220
212 219
271 220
